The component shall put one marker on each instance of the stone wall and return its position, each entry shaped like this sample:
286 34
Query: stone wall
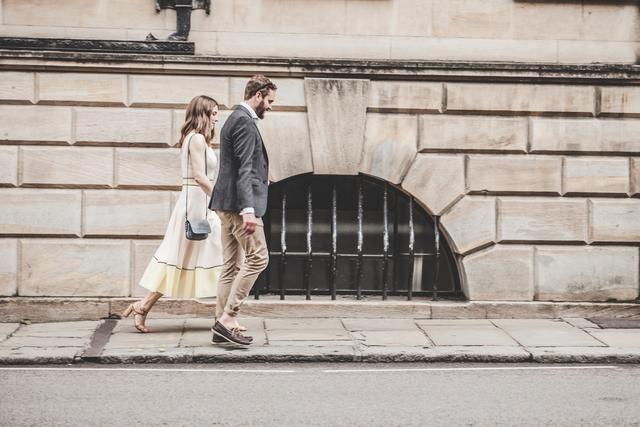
554 31
537 184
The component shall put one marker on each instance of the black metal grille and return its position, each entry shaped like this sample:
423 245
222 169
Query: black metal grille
331 235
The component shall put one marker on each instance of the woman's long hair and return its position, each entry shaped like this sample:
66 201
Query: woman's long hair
198 118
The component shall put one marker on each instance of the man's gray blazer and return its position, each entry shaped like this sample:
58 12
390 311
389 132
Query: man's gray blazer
243 178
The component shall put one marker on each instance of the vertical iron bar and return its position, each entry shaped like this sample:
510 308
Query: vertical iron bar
411 250
307 270
283 243
334 240
385 241
396 239
436 230
360 241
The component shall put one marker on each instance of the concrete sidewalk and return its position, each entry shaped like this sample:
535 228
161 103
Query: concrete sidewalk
178 340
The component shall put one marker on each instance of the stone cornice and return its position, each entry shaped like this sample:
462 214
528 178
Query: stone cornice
300 67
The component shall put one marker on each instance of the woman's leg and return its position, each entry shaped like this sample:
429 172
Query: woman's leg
140 310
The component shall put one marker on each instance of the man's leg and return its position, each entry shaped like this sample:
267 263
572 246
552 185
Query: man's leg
256 259
231 256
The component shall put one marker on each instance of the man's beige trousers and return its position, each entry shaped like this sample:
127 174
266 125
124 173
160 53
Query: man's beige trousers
245 256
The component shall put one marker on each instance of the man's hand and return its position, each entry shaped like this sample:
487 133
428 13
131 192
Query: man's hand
249 222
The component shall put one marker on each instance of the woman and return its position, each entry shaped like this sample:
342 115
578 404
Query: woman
184 268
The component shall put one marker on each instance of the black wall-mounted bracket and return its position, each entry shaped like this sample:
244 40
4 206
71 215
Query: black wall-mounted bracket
183 10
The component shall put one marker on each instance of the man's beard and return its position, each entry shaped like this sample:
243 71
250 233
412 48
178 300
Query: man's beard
261 108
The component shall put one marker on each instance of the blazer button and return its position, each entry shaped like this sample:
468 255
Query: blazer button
264 181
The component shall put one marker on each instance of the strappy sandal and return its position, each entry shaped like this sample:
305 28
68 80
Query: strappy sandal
139 317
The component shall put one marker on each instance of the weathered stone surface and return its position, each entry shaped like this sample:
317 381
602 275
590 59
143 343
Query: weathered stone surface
123 126
471 223
290 94
620 100
8 268
465 335
16 87
35 123
535 20
583 355
584 175
52 309
125 213
458 310
82 88
7 329
9 166
618 338
586 273
155 167
307 335
403 96
579 322
520 98
499 273
68 166
635 176
286 137
472 133
505 174
460 18
176 91
574 135
29 211
410 338
337 134
301 324
379 324
399 17
436 180
74 268
143 250
20 341
546 333
615 220
596 51
39 355
520 310
390 145
542 219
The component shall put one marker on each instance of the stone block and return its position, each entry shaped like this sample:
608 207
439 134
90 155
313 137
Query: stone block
35 123
587 51
379 324
8 166
471 223
123 126
615 220
27 211
461 18
512 98
286 137
52 309
397 17
586 273
436 180
390 145
585 175
620 338
411 338
560 20
620 100
635 176
302 324
473 133
546 333
540 219
499 273
509 174
152 167
143 251
610 21
82 88
16 87
337 134
176 91
468 335
8 268
74 268
405 96
125 213
290 94
67 166
575 135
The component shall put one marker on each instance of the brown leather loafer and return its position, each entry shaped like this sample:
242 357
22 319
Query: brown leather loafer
217 339
230 335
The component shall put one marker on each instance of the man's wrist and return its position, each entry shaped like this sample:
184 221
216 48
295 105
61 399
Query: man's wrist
246 211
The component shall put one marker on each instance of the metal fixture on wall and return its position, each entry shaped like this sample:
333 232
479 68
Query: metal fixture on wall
183 10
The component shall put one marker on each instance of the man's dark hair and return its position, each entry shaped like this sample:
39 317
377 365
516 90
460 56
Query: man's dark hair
258 83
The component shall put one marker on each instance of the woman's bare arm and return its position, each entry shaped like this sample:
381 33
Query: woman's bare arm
197 148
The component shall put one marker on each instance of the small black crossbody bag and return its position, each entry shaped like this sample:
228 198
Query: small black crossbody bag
197 229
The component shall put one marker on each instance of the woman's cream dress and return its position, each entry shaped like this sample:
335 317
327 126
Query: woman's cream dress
184 268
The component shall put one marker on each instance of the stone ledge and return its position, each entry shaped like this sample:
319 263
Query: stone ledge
107 46
44 309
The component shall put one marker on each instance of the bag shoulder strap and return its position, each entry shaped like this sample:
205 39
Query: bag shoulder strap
206 173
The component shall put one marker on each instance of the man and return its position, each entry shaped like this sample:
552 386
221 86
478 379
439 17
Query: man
240 200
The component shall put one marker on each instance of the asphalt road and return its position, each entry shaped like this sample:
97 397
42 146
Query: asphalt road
321 395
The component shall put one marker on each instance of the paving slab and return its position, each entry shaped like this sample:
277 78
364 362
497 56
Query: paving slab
580 322
546 333
155 325
40 342
59 329
464 335
318 344
218 354
379 324
39 355
307 335
304 324
147 355
584 354
137 340
428 322
392 338
7 329
621 338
